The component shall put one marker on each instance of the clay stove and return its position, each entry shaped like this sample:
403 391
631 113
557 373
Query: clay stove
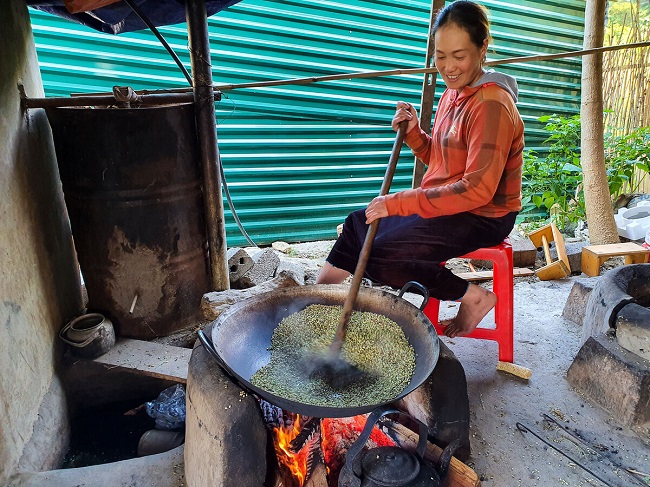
229 441
613 366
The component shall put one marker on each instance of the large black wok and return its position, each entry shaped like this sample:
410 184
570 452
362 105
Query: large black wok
242 334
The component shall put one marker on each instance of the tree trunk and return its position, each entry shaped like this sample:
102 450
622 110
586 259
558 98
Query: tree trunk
600 215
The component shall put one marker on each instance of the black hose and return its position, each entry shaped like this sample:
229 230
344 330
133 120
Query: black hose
162 40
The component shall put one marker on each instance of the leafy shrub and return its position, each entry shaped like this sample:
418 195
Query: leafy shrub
554 184
627 158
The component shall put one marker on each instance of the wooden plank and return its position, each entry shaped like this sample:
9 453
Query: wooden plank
488 275
459 475
148 358
554 270
613 250
560 247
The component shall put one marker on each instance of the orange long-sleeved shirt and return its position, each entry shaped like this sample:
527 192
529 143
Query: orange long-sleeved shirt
474 156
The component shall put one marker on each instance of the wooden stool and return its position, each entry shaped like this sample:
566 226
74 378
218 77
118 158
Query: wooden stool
594 256
553 269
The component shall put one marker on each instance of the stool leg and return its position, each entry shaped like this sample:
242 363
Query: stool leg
505 304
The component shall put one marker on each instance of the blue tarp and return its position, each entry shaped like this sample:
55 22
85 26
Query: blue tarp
118 17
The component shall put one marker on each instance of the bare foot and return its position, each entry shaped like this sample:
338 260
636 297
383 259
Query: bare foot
476 303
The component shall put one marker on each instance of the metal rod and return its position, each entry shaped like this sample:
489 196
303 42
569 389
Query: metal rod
97 100
526 429
199 42
428 92
162 40
394 72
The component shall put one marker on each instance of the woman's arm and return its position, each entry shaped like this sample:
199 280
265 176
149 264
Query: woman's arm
489 135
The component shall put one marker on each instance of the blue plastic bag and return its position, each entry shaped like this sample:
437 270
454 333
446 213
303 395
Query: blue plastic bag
169 408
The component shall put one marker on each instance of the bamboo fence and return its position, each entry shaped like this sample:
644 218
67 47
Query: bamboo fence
626 80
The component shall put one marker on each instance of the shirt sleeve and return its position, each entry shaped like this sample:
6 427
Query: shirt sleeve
489 132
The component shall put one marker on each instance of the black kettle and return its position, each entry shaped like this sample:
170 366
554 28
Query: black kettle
390 466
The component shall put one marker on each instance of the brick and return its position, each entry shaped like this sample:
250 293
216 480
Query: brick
265 264
633 330
614 378
239 263
576 303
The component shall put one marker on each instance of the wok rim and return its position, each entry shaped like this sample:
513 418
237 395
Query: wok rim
318 291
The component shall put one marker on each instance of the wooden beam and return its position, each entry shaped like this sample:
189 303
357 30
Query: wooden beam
488 275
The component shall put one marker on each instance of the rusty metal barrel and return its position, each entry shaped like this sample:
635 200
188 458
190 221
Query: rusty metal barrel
132 184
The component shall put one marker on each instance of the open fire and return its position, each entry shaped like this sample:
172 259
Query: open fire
302 443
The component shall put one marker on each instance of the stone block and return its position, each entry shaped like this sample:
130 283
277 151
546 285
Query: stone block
265 264
283 247
296 269
576 303
573 253
524 253
239 263
633 330
614 378
216 302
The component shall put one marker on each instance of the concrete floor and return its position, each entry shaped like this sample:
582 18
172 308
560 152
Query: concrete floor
546 343
502 455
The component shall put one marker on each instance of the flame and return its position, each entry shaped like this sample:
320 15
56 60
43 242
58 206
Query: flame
295 462
337 435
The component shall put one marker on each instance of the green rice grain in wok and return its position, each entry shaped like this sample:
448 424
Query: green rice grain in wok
374 343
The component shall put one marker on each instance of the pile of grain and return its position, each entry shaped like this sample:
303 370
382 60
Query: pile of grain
374 343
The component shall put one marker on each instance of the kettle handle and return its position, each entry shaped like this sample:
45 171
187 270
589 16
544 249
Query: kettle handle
373 417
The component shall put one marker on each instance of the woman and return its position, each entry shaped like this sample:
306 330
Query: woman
471 192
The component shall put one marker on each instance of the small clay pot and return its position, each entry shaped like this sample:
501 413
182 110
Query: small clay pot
89 336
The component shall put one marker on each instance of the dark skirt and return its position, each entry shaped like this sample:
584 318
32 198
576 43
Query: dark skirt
411 248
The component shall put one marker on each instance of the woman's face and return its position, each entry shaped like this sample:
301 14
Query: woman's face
458 59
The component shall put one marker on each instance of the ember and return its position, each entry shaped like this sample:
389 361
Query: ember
301 442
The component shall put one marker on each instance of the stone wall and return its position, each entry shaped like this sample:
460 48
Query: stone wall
39 282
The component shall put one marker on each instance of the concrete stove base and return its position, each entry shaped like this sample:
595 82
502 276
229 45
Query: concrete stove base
162 470
227 442
615 379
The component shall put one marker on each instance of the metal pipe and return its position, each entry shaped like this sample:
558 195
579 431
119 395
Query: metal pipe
398 72
199 42
428 91
106 100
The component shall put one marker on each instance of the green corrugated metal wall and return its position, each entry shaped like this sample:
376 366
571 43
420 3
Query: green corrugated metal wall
298 159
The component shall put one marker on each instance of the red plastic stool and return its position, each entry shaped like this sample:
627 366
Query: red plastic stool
503 287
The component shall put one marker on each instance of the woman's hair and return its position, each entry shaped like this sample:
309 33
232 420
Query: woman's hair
469 16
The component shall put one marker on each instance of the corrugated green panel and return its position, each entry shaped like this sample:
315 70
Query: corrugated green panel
299 158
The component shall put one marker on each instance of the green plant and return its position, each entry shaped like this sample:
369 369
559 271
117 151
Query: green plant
553 183
627 158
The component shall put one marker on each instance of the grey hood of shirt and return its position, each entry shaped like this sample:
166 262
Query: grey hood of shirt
505 81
